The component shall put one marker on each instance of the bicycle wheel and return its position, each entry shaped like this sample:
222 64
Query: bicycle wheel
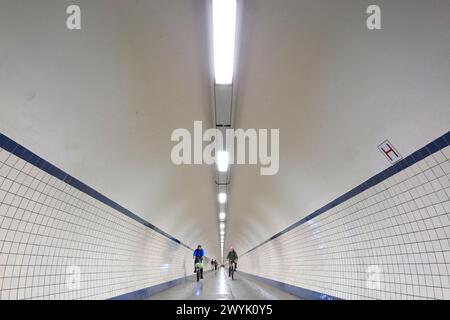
198 274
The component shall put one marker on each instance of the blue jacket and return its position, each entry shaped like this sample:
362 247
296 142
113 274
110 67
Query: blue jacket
199 253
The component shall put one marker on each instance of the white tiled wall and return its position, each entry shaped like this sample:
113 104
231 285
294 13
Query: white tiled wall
399 227
51 232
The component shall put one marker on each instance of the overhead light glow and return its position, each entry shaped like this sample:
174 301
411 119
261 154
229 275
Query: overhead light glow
222 225
224 34
222 197
222 232
222 216
222 161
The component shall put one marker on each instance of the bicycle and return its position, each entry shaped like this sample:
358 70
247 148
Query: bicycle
199 268
231 269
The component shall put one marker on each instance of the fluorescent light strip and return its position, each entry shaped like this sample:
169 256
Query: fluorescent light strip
222 197
222 161
224 33
222 216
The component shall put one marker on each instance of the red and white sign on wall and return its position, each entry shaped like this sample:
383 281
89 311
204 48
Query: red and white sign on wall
388 150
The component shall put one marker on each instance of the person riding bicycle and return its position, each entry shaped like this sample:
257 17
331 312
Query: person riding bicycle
199 253
232 257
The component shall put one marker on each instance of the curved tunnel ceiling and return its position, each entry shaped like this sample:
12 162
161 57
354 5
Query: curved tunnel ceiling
112 95
138 70
336 91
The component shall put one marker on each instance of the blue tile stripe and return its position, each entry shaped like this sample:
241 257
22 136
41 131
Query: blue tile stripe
294 290
28 156
438 144
147 292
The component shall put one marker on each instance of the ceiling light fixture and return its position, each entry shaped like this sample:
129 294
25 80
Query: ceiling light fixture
222 161
222 197
224 38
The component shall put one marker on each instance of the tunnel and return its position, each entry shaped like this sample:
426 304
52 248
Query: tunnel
224 150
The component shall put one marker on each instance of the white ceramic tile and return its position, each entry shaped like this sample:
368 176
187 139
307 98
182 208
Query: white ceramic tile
57 224
446 152
405 231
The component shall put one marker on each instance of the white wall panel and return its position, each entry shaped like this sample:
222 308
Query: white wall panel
399 226
50 229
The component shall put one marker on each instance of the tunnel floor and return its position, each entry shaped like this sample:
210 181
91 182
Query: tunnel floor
217 286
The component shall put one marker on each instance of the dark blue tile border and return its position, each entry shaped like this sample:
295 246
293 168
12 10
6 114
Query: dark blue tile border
28 156
147 292
294 290
438 144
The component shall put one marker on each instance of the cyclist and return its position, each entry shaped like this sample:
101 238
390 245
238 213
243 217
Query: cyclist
199 253
232 257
